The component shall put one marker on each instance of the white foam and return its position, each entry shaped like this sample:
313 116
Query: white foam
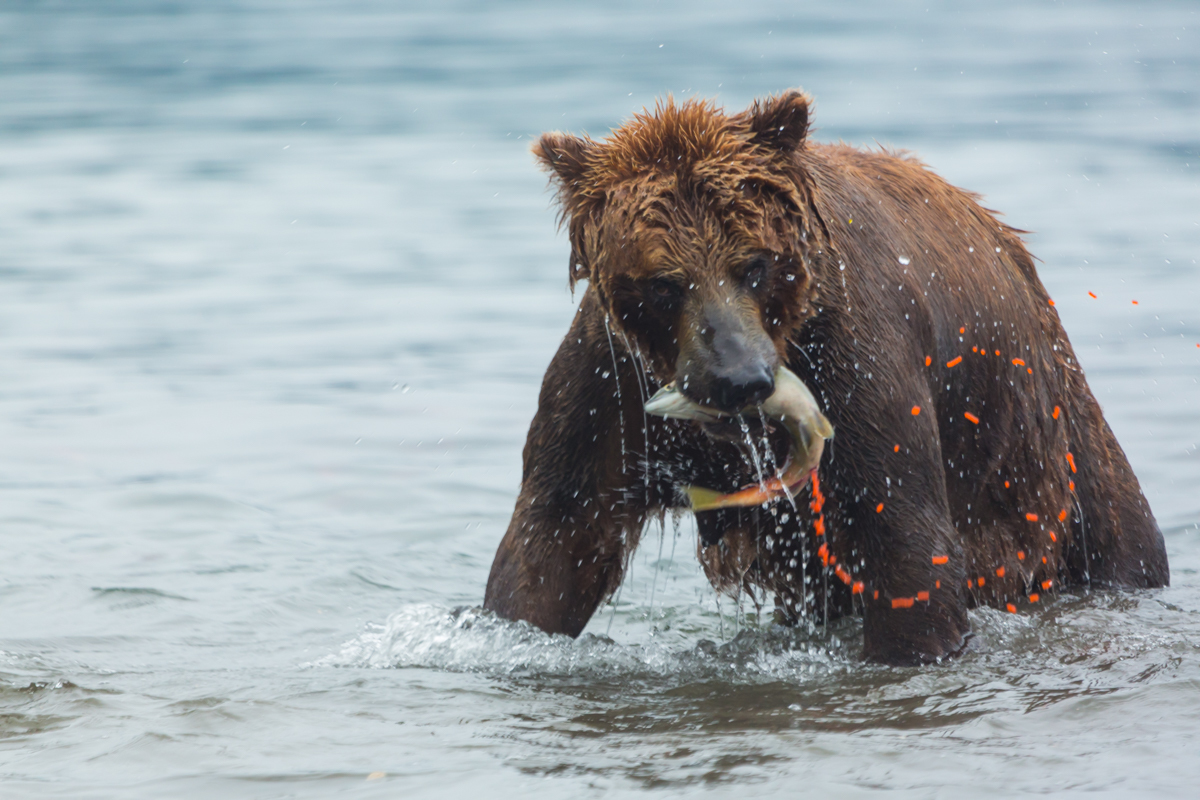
469 640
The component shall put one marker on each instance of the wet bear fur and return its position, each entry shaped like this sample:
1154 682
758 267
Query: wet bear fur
710 241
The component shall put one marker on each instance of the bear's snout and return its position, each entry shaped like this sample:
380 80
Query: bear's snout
746 384
730 362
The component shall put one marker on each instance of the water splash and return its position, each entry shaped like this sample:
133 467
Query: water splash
752 450
468 639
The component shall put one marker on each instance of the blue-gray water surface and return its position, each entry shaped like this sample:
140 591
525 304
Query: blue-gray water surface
278 283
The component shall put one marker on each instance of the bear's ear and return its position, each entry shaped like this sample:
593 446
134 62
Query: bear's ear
565 156
779 122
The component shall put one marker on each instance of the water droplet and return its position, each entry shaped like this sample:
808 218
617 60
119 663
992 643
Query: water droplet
905 260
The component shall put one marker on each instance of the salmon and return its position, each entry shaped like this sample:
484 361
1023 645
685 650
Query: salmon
792 405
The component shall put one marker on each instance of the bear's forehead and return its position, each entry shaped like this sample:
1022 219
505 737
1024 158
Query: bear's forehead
681 239
678 216
688 210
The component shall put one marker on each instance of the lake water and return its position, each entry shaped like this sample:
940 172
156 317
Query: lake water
278 284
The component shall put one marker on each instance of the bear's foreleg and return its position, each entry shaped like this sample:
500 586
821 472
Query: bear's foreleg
584 497
890 527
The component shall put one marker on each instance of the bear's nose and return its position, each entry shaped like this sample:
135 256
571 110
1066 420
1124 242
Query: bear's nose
745 387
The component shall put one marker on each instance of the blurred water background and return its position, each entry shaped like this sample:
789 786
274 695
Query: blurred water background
278 284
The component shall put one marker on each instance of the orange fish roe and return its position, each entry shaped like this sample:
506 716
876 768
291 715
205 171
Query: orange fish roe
1018 362
997 352
1092 295
1071 485
941 559
1053 538
1020 555
902 602
1033 598
970 583
1135 302
962 330
1071 461
954 362
1006 484
896 449
879 508
1062 515
975 349
876 594
999 572
971 417
1047 584
916 410
840 571
1011 608
1031 517
937 584
1044 560
923 597
1051 302
857 588
981 580
1029 370
823 552
818 502
928 360
1056 410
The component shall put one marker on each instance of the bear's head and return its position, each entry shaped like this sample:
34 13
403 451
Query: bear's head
693 227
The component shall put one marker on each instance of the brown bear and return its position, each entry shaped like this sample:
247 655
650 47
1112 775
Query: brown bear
971 464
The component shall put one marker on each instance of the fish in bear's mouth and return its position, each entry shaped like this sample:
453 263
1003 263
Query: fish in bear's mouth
792 405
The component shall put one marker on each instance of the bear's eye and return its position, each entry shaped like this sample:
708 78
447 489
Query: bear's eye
664 291
756 273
